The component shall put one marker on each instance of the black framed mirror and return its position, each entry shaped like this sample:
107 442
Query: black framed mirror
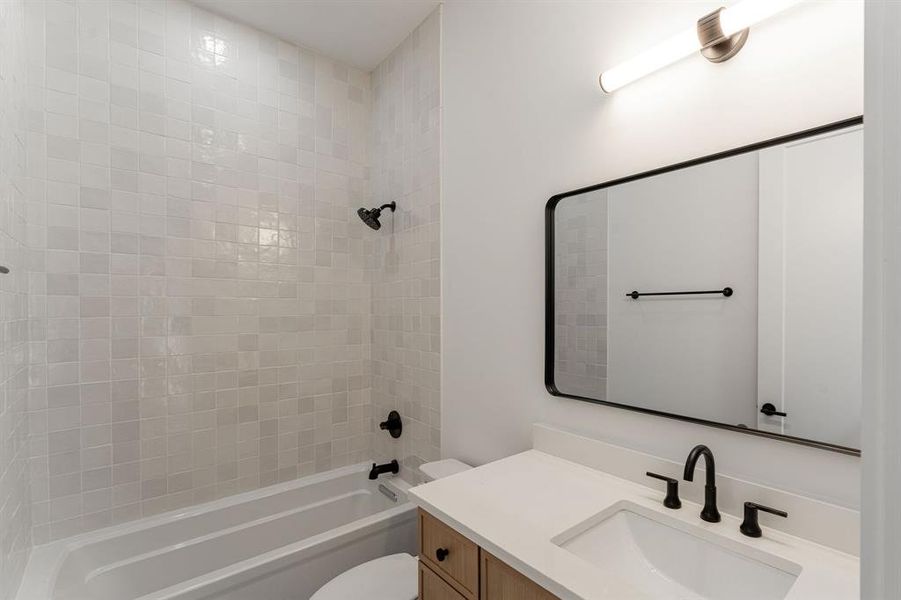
725 290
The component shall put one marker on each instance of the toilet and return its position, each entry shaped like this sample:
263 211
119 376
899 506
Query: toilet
392 577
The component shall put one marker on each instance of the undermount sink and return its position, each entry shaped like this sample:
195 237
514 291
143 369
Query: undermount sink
662 557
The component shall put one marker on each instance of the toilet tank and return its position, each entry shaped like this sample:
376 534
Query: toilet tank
442 468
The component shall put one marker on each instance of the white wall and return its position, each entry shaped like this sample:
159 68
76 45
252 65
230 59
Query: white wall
524 119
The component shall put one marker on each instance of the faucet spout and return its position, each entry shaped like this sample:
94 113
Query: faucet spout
390 467
710 512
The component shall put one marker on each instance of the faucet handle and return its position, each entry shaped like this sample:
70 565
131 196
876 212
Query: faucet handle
672 490
751 526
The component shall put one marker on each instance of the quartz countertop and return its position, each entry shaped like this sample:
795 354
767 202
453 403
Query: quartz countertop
513 508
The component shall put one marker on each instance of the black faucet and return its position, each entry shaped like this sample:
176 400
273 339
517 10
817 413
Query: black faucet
391 467
710 513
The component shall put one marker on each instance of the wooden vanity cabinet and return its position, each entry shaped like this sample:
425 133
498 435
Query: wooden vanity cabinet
452 567
432 587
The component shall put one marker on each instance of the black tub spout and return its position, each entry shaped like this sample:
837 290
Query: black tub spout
391 467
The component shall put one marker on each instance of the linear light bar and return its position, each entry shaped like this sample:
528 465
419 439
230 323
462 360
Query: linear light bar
718 35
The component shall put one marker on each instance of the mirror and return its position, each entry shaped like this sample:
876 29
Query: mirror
725 291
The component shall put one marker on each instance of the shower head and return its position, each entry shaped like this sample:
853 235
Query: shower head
371 216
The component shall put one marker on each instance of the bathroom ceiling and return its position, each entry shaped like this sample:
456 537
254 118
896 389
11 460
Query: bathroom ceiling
359 32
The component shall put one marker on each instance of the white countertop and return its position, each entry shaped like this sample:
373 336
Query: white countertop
514 507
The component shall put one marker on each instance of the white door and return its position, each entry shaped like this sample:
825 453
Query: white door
810 282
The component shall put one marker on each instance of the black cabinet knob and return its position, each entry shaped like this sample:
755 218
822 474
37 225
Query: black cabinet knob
441 554
770 410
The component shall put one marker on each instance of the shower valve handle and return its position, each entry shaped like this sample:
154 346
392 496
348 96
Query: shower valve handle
393 425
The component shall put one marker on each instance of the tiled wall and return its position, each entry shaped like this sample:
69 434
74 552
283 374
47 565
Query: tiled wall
203 297
580 296
15 509
406 107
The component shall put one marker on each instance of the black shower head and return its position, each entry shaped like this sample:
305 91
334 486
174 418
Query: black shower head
371 216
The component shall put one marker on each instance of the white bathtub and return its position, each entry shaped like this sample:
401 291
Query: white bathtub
277 543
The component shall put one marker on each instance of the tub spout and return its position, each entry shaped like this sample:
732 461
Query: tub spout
391 467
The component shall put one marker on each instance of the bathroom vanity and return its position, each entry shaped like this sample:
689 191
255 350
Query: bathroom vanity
453 567
536 525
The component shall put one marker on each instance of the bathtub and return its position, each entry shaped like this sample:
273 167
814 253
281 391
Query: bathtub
278 543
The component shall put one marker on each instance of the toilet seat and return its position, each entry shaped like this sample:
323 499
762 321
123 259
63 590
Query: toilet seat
392 577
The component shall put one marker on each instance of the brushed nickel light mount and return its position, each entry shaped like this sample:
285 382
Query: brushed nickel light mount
718 36
716 46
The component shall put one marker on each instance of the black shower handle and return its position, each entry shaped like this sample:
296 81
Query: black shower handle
394 425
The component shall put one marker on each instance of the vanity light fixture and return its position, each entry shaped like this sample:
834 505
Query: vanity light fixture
718 36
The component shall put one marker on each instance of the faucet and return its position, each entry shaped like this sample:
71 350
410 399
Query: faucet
709 513
391 467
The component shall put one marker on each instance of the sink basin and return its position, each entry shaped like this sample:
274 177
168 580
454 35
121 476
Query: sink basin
662 557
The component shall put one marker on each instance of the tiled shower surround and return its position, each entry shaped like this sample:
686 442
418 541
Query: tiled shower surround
580 364
15 509
206 308
406 284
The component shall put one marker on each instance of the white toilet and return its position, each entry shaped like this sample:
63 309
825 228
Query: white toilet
393 577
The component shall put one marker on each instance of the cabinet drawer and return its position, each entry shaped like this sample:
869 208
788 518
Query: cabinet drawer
448 552
432 587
